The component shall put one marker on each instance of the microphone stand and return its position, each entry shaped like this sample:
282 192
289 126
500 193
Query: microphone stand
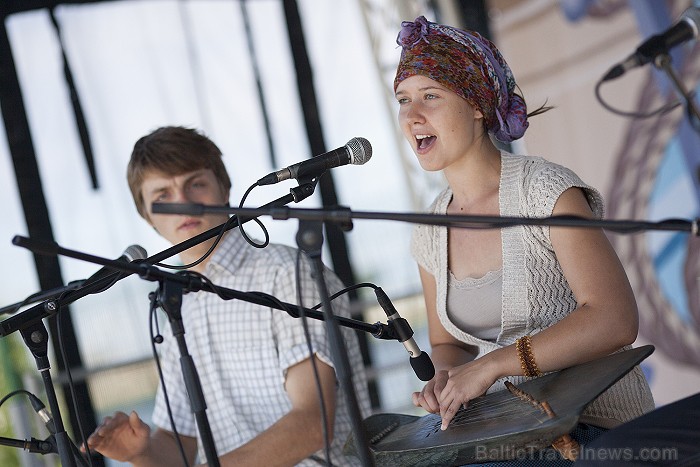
43 310
31 326
36 337
172 286
30 321
171 289
296 195
41 296
345 216
170 298
310 240
663 62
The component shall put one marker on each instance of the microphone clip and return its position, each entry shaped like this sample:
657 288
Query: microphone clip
304 190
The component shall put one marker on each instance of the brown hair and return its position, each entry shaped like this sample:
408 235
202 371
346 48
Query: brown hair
173 151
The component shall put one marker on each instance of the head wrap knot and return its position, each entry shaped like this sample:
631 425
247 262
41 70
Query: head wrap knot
467 64
412 32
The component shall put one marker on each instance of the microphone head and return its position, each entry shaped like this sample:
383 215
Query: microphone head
134 252
692 17
423 366
360 150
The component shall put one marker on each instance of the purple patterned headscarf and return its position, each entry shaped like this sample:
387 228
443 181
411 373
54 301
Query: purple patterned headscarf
468 64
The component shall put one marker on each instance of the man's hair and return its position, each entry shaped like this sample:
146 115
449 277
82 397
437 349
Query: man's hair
173 151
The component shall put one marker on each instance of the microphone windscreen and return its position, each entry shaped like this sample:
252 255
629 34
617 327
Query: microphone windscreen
360 150
423 367
134 252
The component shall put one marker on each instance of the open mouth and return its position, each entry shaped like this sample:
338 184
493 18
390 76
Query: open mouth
425 141
189 224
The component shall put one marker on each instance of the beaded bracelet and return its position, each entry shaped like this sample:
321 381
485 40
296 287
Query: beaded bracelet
527 360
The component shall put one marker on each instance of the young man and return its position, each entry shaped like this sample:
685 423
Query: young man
253 361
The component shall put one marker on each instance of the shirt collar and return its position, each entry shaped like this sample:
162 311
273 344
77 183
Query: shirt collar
229 253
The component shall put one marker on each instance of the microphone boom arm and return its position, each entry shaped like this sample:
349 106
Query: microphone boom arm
343 214
190 283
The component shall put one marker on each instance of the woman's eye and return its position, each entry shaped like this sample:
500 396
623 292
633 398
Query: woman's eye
430 96
402 100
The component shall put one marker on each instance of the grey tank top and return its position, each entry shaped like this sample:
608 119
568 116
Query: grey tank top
474 305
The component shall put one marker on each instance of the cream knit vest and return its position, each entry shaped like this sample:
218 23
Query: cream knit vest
535 292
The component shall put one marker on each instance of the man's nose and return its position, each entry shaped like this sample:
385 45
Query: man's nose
180 196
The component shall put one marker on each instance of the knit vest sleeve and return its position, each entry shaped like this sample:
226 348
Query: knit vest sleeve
536 294
545 182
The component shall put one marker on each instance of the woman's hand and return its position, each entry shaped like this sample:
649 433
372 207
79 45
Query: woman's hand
428 397
464 383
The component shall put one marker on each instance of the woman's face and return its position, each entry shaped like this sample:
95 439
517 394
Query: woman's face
441 126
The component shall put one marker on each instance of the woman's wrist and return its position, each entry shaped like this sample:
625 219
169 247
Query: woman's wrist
503 362
528 365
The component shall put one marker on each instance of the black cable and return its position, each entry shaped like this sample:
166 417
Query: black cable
71 387
154 339
299 313
224 228
14 393
660 111
258 221
344 291
317 378
38 407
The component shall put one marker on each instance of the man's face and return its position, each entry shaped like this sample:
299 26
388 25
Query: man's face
199 187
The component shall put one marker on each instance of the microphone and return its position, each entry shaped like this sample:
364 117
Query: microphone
685 29
420 361
356 152
132 253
